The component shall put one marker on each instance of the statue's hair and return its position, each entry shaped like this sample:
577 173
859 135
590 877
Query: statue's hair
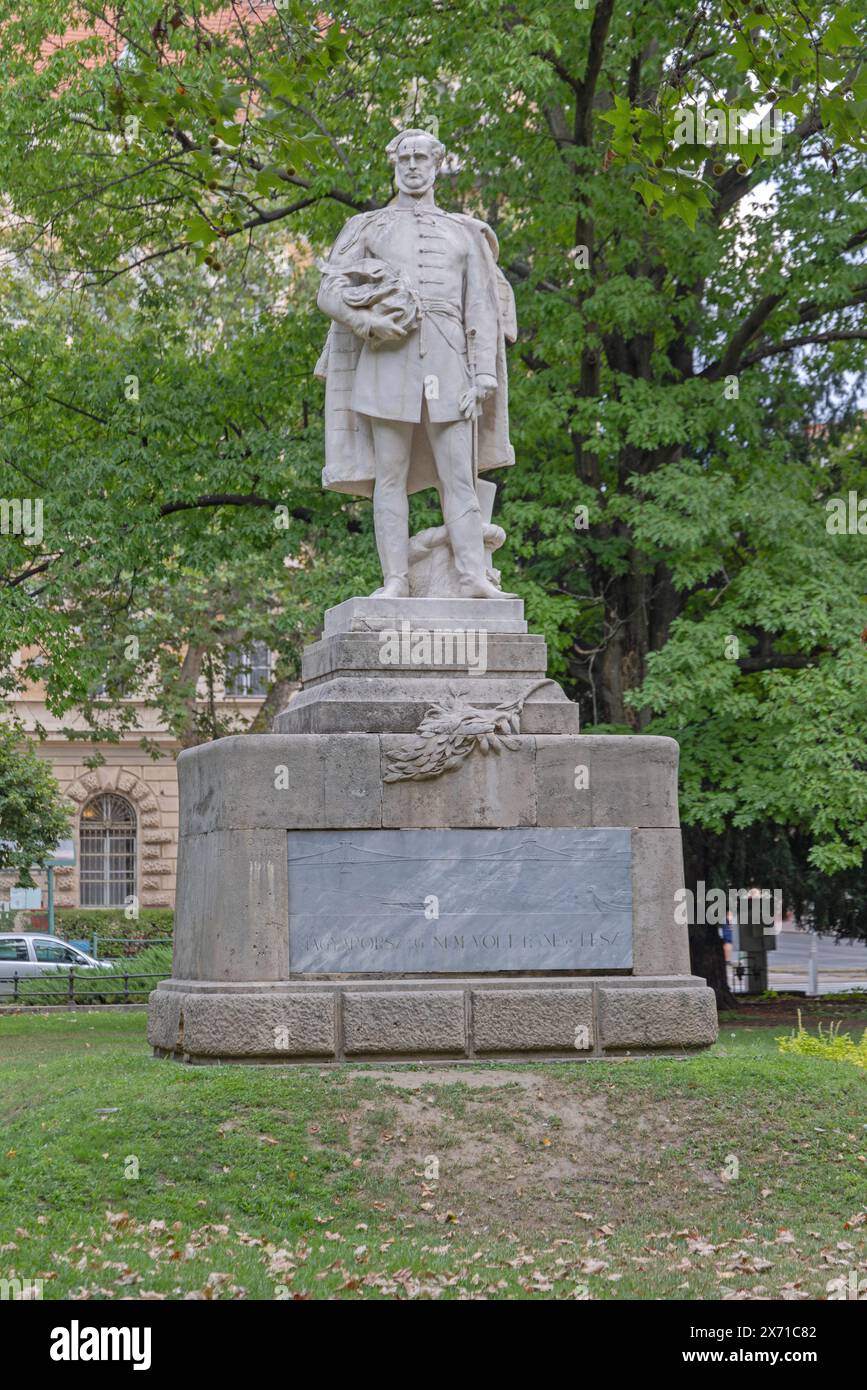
438 150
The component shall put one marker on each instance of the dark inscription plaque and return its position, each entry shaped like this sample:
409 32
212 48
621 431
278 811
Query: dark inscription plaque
379 902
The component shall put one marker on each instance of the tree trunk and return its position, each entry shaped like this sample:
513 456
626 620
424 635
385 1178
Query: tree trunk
189 735
707 960
275 702
702 855
622 665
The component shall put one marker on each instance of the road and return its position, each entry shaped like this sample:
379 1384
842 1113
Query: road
842 964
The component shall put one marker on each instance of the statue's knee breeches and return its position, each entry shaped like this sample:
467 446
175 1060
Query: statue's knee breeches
451 445
392 448
390 486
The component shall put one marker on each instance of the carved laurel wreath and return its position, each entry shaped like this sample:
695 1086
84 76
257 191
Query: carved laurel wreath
450 730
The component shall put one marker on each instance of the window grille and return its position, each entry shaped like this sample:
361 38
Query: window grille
108 851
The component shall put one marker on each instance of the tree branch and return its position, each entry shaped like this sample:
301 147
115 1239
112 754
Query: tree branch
231 499
797 661
751 325
28 573
791 343
595 54
808 312
561 70
55 400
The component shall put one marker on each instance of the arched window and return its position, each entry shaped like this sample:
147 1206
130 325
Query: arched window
107 851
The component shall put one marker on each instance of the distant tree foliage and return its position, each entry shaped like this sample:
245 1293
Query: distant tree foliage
33 815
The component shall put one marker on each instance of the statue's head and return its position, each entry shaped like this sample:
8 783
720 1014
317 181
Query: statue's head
416 156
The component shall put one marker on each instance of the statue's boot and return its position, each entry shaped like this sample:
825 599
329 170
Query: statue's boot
392 543
395 586
466 536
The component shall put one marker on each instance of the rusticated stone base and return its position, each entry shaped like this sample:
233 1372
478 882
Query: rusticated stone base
465 1018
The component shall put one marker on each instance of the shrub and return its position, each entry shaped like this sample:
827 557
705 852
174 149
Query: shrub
833 1045
109 924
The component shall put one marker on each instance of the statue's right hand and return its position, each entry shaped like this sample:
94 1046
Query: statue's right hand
385 328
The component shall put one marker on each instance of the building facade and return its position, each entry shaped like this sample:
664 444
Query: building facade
124 819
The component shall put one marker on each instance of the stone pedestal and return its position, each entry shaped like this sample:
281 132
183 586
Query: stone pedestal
426 859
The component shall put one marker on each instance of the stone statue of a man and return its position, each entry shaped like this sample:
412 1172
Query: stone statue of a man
415 367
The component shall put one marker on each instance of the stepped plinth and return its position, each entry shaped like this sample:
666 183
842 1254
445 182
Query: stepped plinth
427 859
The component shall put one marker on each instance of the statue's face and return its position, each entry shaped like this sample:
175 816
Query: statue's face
415 167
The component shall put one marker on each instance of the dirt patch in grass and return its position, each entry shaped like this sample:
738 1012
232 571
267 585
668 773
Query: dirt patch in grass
524 1150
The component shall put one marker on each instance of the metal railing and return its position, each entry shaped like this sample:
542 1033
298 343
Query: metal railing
90 986
139 943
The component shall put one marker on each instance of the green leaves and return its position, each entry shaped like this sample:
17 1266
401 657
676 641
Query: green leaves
775 724
201 231
792 60
168 138
33 816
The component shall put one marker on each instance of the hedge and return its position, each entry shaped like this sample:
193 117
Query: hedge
109 923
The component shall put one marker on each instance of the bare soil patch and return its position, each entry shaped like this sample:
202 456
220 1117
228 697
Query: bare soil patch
505 1148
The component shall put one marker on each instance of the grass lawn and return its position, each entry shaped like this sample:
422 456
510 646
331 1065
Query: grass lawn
736 1173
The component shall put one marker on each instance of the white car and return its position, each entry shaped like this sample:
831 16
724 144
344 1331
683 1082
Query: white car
25 954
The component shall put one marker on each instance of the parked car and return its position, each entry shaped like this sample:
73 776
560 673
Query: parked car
26 954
